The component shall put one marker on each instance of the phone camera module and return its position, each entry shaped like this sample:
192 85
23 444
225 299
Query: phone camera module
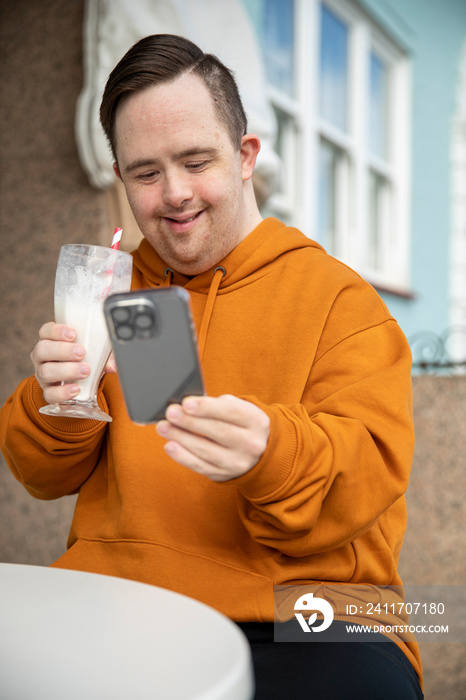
135 321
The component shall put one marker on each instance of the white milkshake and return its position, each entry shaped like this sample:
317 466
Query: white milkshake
91 332
85 276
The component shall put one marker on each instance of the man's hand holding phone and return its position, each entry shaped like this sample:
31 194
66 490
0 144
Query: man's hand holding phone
221 438
153 339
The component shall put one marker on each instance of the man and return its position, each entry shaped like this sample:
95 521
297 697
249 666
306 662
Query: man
293 468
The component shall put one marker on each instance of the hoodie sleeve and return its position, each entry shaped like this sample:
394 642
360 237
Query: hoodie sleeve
341 458
51 457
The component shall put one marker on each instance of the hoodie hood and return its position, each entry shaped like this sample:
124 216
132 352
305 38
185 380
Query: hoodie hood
245 263
250 260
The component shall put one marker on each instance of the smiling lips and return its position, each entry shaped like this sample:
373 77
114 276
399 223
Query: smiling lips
182 225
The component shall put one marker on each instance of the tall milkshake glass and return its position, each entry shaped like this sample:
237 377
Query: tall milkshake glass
85 276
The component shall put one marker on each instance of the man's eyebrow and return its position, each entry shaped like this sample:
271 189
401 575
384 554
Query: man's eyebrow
196 151
155 162
140 163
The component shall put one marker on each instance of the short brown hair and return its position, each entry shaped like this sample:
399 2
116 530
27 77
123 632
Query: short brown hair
161 58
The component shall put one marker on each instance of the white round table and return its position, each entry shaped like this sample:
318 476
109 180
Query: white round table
70 635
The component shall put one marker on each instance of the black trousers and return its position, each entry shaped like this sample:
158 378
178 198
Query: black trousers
336 670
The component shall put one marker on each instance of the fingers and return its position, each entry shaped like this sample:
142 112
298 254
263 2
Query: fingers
219 431
220 437
58 362
224 408
111 367
200 455
57 393
222 420
57 331
57 351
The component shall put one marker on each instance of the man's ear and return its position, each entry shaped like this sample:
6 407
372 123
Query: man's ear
250 147
116 170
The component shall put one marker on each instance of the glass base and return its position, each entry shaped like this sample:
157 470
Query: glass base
76 409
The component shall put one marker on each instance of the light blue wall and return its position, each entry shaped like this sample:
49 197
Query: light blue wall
432 32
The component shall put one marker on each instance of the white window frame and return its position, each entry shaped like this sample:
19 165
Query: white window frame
296 202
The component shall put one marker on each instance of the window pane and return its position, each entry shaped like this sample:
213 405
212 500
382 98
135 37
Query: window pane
333 69
328 165
378 107
274 23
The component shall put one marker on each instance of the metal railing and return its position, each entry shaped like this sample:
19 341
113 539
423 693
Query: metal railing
439 354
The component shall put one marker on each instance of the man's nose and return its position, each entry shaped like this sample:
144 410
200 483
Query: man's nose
177 189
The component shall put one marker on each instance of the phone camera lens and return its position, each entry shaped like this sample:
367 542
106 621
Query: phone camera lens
144 321
121 315
124 332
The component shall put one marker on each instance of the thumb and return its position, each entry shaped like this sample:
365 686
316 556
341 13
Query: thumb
111 367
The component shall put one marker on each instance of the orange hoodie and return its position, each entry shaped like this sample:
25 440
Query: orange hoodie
312 344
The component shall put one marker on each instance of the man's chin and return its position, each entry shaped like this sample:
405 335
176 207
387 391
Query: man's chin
188 267
186 258
190 270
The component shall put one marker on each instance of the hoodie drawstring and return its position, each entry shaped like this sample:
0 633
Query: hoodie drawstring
219 273
168 277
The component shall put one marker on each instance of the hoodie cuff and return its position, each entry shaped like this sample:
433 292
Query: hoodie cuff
275 466
33 399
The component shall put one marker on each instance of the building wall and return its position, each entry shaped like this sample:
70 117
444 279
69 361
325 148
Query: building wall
45 201
433 32
434 549
45 198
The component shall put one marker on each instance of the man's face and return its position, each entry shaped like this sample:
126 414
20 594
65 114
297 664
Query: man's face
183 177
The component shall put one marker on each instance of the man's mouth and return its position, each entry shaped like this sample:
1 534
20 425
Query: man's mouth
182 225
184 221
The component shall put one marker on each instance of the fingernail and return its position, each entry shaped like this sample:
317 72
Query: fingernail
162 428
70 334
173 412
73 390
78 352
84 370
190 405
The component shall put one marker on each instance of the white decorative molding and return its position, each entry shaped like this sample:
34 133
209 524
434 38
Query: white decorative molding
111 27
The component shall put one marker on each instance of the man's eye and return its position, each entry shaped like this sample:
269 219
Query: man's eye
148 176
197 166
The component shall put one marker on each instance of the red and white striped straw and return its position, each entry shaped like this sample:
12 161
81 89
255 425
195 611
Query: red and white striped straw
116 238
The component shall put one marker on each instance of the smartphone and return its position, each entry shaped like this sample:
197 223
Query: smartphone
155 347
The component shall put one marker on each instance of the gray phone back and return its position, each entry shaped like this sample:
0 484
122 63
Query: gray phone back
155 348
